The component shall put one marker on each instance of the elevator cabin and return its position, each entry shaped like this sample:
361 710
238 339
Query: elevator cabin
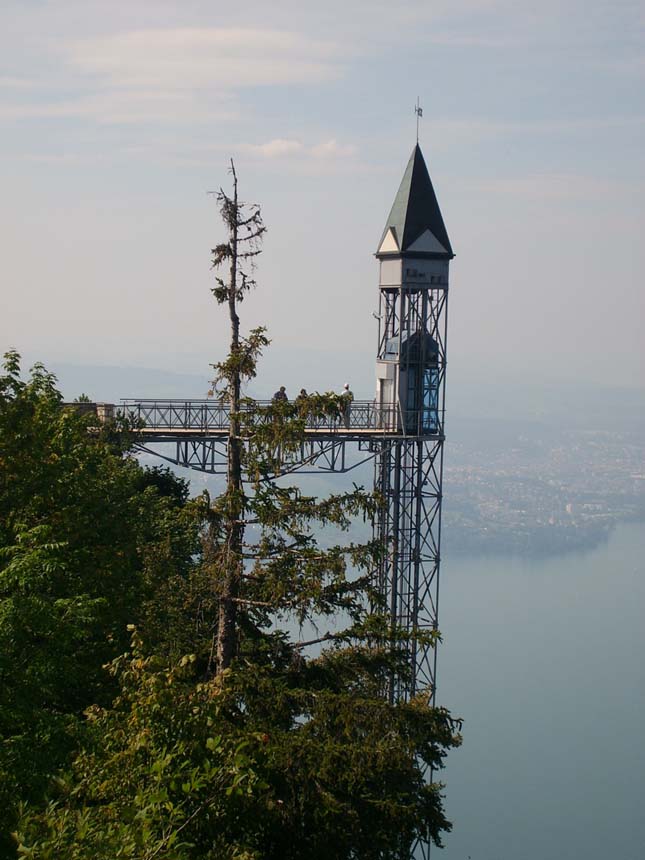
409 364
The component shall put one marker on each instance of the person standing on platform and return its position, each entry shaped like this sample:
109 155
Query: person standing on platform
301 401
281 395
346 401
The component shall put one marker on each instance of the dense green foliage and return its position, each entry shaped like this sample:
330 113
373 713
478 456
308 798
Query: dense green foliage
264 764
85 537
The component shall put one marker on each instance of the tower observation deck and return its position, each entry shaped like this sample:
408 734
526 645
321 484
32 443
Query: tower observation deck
194 433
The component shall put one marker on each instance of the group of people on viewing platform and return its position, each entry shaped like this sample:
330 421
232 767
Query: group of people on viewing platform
346 398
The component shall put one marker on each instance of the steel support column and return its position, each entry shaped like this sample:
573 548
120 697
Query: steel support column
408 474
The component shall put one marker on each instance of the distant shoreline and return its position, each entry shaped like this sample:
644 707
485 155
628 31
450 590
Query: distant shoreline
539 544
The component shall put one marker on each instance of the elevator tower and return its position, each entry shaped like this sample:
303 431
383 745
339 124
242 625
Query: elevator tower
414 254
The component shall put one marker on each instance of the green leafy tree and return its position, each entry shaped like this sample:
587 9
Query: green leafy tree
260 743
264 761
85 537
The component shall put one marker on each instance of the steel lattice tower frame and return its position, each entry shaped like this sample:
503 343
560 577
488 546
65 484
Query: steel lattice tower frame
414 255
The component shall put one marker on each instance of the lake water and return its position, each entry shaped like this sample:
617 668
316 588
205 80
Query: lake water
545 661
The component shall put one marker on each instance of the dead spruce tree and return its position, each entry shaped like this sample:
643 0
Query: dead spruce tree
245 230
282 572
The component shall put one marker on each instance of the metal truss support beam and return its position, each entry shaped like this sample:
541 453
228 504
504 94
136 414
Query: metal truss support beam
314 455
408 474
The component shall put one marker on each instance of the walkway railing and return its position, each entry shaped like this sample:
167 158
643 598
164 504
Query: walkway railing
182 418
208 416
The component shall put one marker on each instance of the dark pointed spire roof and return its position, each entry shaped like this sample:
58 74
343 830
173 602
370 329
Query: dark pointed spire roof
415 215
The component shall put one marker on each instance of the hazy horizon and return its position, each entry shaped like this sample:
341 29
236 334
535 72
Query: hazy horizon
116 122
503 398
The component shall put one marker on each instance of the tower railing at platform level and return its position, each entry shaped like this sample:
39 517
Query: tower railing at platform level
212 416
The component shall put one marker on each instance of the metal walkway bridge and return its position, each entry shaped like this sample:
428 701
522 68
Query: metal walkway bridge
194 433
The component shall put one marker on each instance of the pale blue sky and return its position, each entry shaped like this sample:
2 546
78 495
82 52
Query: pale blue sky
117 117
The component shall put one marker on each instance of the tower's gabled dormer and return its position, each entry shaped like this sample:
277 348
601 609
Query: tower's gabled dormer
415 226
